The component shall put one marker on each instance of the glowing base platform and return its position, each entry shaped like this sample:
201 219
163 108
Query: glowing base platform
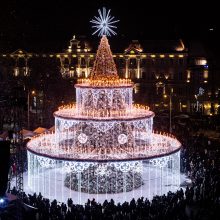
151 187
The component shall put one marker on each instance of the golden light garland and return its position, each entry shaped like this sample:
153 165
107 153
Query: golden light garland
103 82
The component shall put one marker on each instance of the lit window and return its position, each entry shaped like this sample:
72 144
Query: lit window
188 74
200 61
205 74
166 76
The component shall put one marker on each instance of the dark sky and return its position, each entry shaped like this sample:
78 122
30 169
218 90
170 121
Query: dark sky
45 24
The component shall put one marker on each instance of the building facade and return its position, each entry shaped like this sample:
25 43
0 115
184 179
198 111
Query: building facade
167 75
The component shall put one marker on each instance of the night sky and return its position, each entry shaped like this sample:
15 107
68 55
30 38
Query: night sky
48 25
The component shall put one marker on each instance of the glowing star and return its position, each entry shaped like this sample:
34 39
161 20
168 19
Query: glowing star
104 23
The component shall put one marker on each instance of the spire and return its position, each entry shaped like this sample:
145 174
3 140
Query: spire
104 67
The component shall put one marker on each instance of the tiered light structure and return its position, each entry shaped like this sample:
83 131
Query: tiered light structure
103 143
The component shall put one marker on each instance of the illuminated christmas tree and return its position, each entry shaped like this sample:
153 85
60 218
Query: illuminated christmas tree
104 67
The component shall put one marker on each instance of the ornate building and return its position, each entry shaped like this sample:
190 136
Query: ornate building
161 70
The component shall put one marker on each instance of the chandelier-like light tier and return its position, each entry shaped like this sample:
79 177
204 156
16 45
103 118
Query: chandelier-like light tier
93 113
81 149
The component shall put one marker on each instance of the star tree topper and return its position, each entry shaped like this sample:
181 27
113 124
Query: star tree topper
104 24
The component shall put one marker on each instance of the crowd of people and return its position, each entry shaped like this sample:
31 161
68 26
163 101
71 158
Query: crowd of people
200 160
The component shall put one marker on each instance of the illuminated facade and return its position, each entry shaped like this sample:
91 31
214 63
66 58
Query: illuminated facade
156 67
103 144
